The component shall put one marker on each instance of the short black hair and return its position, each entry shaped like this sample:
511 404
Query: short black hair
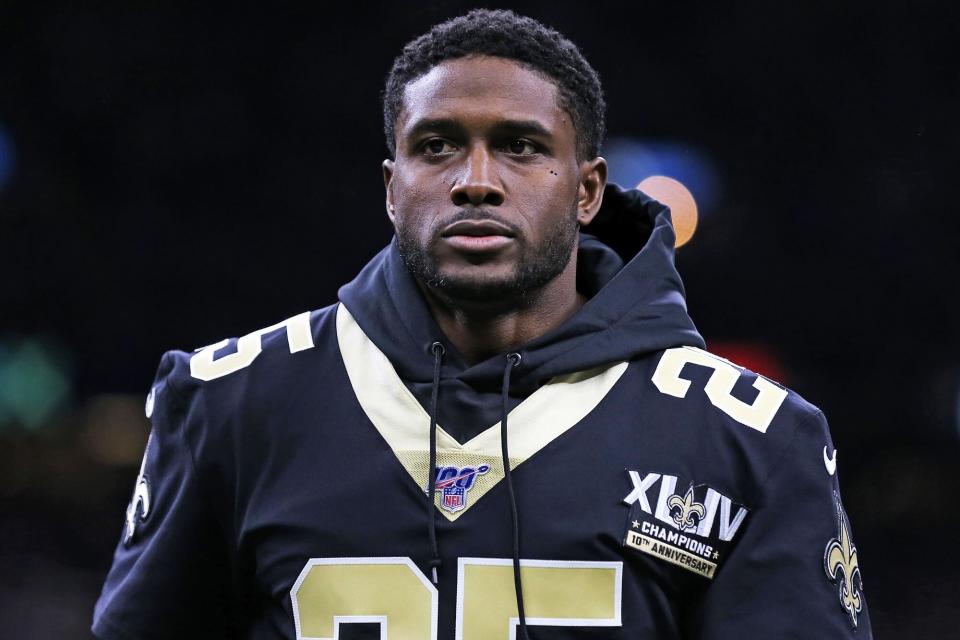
504 34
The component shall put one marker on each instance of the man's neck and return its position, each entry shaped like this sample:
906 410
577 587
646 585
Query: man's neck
480 330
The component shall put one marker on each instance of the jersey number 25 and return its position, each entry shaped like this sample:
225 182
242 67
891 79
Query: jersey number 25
395 594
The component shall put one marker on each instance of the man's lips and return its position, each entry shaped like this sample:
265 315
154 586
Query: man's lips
477 235
477 229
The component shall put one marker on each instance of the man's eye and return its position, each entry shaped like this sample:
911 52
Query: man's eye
437 146
521 147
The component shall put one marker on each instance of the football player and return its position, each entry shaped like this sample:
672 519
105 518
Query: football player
507 426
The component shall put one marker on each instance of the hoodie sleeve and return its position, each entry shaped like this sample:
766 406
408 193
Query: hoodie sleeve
169 575
796 571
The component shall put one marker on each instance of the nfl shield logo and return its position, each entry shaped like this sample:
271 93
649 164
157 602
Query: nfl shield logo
454 482
454 498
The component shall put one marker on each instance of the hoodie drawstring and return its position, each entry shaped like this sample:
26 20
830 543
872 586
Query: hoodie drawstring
513 359
435 562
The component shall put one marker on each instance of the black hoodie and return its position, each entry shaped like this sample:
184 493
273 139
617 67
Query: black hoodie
651 489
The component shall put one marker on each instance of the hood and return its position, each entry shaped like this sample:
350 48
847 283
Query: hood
636 305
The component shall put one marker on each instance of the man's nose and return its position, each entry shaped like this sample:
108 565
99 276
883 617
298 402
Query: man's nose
479 182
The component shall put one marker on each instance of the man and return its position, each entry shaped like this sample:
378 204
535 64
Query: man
503 429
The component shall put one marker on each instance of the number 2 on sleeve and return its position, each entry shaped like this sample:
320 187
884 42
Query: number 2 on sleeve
756 415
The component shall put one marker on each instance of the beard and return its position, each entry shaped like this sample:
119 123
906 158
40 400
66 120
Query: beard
538 264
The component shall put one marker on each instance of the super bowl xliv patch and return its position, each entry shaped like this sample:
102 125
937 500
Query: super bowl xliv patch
689 525
843 567
454 483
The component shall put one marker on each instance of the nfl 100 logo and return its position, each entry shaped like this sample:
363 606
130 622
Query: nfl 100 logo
454 482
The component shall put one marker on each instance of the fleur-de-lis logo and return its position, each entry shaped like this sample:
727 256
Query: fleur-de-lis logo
139 507
685 512
843 568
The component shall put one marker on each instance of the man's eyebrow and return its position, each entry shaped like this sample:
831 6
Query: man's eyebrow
433 124
527 127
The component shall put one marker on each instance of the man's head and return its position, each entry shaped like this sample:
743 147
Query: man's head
504 34
494 123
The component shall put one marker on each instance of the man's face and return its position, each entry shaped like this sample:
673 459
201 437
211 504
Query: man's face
486 191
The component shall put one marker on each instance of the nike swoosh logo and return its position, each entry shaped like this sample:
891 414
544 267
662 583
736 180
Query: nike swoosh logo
830 463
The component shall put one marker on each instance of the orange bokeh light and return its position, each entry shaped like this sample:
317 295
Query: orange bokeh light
683 207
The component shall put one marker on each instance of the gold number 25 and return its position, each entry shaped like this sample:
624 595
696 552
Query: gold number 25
395 594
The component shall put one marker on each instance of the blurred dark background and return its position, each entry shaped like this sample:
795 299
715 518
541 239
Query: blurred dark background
171 175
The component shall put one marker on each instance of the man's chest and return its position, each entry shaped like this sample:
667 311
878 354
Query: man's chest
336 532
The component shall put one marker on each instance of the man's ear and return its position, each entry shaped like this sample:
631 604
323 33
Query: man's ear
388 185
593 180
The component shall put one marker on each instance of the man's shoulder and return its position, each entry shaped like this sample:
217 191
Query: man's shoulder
712 384
267 356
718 414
